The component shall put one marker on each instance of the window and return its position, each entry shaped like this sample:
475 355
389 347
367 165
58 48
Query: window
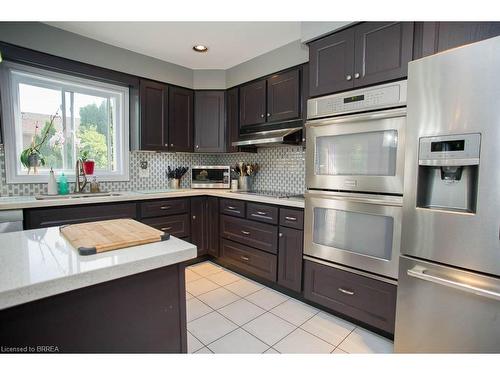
65 117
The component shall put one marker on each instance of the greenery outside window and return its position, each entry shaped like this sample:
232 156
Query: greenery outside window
92 117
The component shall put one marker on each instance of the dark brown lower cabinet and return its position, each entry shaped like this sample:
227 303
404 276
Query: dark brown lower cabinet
176 225
290 258
248 259
212 219
142 313
54 216
362 298
198 224
259 235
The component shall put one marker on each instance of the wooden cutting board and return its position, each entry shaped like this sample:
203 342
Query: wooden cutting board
100 236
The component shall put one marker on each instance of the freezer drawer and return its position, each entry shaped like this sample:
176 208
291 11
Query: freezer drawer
446 310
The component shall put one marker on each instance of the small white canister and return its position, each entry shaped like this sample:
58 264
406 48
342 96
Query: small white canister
234 185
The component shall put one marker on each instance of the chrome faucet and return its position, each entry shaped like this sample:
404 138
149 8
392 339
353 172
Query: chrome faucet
79 172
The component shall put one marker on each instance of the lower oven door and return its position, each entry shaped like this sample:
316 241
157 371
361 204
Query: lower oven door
356 230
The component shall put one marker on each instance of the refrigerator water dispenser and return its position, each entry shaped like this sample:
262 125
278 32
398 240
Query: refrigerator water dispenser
448 172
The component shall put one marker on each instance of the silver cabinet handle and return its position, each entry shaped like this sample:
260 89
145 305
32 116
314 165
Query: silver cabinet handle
164 207
290 218
166 144
268 115
262 216
171 145
197 146
262 115
281 234
345 291
245 232
246 259
231 208
165 228
261 213
348 77
194 217
420 273
356 75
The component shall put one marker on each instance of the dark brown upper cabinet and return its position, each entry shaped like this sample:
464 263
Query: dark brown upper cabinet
367 53
253 103
209 121
232 118
154 116
283 96
180 119
331 63
382 51
274 99
441 36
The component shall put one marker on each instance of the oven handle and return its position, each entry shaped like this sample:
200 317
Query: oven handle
386 201
421 273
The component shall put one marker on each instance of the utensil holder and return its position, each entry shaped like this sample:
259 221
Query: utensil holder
245 183
175 183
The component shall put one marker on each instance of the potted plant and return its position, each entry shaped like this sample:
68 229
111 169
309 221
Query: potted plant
88 164
31 157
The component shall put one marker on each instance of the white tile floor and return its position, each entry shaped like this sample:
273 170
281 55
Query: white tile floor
228 313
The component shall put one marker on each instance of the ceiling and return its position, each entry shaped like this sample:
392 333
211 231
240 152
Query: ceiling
229 43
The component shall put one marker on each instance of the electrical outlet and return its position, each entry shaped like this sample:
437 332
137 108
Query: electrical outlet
144 170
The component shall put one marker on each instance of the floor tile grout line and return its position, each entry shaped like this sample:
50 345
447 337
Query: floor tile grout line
345 338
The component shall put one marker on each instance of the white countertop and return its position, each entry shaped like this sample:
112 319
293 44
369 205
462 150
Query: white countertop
40 263
11 203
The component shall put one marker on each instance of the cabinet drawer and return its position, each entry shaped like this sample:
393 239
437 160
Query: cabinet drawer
232 207
262 212
292 218
261 236
176 225
248 259
164 207
362 298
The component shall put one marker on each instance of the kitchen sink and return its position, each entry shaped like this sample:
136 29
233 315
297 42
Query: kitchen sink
77 195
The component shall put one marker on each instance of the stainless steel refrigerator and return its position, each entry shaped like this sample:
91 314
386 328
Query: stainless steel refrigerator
449 269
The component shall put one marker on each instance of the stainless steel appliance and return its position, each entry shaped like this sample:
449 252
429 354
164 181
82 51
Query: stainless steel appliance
211 177
361 152
449 275
354 176
271 137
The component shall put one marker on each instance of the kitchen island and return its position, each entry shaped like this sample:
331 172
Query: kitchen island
54 300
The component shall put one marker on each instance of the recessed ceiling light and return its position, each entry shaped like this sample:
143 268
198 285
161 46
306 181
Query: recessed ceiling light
200 48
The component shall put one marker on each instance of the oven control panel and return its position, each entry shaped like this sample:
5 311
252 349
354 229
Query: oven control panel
371 98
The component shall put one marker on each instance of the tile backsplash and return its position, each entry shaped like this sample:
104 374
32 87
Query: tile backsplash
281 169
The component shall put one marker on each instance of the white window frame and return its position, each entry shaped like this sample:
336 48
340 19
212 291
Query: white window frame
10 77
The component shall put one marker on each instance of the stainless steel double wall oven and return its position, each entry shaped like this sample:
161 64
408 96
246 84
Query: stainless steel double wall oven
354 177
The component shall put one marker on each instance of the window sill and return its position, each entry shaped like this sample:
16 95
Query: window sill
44 178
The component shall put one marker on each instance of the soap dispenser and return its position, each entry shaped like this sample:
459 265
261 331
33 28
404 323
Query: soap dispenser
52 185
63 185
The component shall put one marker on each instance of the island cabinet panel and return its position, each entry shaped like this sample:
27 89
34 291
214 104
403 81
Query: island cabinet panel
331 63
362 298
290 258
382 51
441 36
141 313
154 116
180 119
210 121
63 215
253 103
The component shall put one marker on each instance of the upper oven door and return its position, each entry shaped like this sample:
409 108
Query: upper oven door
355 230
363 152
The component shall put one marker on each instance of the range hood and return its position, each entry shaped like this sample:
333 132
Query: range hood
271 138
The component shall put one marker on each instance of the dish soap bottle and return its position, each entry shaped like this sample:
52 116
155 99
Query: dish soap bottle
52 185
63 185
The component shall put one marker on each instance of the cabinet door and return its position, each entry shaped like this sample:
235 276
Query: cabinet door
331 63
153 107
382 51
198 227
213 225
290 258
253 103
283 96
210 121
440 36
232 118
180 119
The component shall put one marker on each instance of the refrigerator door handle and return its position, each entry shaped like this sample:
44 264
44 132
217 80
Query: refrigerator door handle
420 273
